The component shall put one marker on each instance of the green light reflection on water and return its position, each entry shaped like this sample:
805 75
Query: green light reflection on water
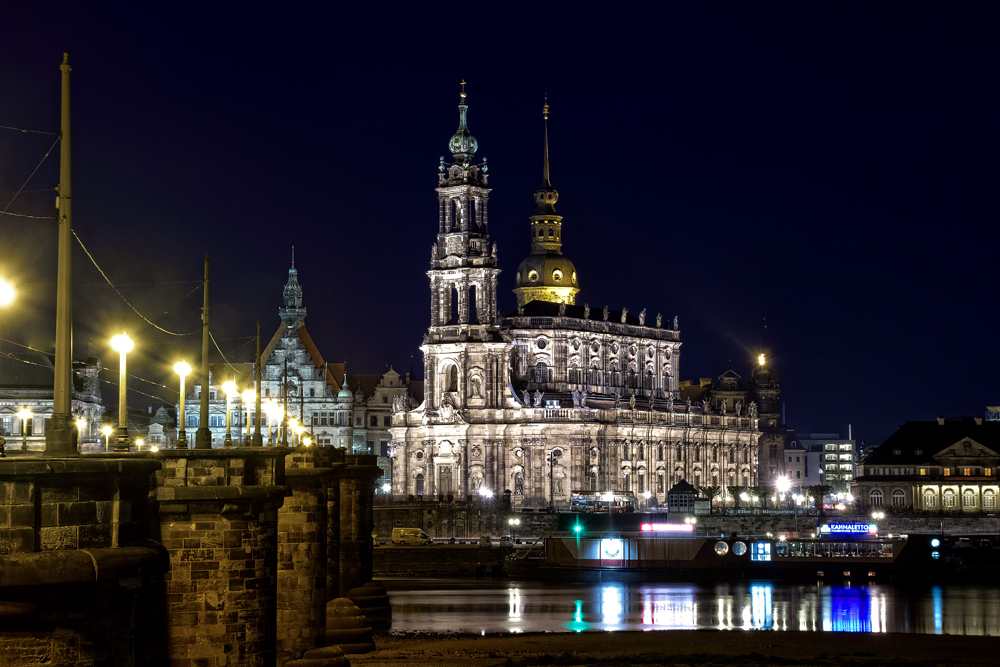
577 624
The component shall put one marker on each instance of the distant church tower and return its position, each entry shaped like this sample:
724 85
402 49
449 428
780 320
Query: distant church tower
463 349
545 275
292 312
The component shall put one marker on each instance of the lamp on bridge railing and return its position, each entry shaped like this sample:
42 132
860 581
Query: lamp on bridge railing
122 344
80 423
183 369
249 396
106 430
230 390
25 415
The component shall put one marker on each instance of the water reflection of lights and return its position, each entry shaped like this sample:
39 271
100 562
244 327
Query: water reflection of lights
938 609
611 606
672 608
516 608
578 625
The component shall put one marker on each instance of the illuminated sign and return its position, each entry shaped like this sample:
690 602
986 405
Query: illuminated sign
850 528
611 548
760 551
667 527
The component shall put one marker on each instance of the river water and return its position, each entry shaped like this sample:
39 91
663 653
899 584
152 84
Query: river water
503 605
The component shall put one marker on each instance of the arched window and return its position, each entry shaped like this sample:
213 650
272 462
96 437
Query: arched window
642 481
641 452
968 498
715 454
732 455
898 498
649 379
452 384
948 499
625 482
593 481
678 452
746 479
989 500
697 454
876 498
625 452
445 486
697 480
419 484
518 484
473 310
659 452
929 500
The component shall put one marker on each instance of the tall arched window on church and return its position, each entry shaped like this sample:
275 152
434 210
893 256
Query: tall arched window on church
454 305
593 481
452 383
518 484
649 380
473 312
418 484
445 486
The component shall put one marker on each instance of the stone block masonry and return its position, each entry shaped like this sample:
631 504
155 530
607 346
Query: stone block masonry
74 557
357 489
218 519
303 549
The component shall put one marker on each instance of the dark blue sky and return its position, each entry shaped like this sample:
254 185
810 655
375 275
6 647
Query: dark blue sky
829 166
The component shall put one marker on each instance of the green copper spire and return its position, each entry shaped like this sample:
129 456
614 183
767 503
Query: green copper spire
463 145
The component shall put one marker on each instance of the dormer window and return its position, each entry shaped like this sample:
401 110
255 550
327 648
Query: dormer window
918 452
897 452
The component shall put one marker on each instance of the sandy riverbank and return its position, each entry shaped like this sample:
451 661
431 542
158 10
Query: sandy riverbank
704 648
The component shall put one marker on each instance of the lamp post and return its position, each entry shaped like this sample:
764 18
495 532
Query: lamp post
183 369
229 389
122 344
248 397
139 442
25 415
293 428
513 523
299 430
80 423
106 430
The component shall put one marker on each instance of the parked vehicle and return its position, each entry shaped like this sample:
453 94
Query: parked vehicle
405 536
485 542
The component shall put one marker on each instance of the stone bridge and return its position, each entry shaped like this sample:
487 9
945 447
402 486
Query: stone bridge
186 557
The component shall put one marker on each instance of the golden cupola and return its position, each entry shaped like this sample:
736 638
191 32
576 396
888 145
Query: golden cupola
545 275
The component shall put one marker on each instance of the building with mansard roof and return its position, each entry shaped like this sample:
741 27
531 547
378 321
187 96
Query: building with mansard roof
947 465
556 396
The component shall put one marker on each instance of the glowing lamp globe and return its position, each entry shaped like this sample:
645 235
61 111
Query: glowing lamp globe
122 343
182 368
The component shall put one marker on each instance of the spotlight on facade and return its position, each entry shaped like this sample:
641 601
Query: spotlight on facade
761 359
783 485
387 487
485 493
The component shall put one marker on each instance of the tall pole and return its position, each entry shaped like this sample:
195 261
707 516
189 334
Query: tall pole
60 436
203 438
302 409
284 414
257 442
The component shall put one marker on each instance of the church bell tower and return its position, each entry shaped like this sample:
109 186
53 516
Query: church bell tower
459 371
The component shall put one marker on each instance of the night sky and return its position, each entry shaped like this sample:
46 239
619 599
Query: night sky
829 168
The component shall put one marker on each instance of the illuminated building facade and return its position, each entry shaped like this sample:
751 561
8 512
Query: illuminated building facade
27 382
554 397
948 465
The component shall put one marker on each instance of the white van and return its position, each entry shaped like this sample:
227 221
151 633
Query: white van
405 536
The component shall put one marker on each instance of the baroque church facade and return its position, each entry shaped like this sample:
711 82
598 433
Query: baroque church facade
555 397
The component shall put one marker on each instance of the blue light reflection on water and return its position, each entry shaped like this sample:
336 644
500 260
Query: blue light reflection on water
521 606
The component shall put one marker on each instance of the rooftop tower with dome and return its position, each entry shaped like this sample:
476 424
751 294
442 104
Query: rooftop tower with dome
545 275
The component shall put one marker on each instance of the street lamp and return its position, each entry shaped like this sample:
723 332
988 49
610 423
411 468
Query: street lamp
646 495
25 415
139 442
122 344
307 441
106 430
229 389
183 369
513 523
80 423
485 493
249 395
293 427
299 430
8 295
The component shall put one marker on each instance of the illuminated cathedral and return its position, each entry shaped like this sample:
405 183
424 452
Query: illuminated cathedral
556 396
